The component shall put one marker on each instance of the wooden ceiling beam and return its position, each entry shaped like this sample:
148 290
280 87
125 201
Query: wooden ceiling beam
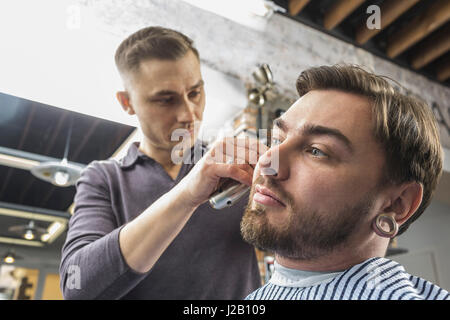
295 6
434 17
340 10
390 10
433 48
443 71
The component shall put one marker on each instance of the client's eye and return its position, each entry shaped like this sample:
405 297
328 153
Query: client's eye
317 152
275 142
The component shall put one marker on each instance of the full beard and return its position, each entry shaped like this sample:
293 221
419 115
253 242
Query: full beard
307 234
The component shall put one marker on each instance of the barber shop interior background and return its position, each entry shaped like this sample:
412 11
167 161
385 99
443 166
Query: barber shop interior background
58 110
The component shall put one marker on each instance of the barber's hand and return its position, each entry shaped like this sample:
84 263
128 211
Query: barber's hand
233 158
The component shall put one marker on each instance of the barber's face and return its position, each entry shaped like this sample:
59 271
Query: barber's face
324 193
168 95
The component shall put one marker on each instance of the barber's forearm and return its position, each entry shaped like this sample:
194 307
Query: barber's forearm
143 240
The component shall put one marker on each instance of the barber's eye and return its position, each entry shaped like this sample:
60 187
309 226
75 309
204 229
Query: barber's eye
169 100
194 94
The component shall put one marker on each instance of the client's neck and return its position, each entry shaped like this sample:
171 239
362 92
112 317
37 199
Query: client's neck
337 260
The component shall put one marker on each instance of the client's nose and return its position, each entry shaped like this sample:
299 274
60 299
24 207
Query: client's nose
269 163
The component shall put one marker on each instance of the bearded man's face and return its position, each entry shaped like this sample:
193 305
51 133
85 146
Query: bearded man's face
329 167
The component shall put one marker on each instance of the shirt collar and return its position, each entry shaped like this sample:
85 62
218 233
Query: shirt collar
134 154
287 277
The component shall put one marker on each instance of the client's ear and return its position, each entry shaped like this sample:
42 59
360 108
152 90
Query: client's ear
124 100
407 199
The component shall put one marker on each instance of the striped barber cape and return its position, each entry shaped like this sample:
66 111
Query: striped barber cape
374 279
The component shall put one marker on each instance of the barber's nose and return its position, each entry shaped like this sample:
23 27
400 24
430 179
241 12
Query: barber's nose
271 163
187 112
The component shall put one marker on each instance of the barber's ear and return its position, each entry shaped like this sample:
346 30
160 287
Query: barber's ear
124 100
407 199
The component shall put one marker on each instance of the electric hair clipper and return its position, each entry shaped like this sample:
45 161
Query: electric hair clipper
250 121
227 194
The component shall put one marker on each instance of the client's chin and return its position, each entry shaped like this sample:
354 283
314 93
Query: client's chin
255 228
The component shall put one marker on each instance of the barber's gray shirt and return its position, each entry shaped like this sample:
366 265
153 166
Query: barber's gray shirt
207 260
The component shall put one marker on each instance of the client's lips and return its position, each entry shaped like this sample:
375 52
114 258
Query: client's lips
265 196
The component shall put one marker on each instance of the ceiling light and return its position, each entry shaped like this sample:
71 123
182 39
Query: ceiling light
60 174
28 232
61 177
56 222
29 235
10 257
54 227
52 231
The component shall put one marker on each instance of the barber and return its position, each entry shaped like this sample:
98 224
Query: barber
142 227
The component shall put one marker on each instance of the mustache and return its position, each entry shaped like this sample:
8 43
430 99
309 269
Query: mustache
270 183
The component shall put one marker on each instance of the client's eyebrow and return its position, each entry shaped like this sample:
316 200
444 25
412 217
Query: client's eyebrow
310 129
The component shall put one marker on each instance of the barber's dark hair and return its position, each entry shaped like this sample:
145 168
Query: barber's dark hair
152 43
404 125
